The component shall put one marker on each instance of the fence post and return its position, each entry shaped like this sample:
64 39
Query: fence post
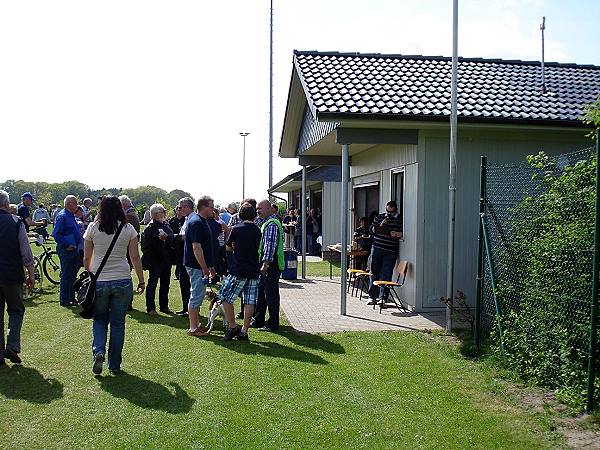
594 302
490 261
480 267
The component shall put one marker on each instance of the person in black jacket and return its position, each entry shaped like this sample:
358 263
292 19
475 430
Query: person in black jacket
313 231
157 249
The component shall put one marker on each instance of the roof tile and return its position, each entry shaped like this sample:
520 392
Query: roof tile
399 85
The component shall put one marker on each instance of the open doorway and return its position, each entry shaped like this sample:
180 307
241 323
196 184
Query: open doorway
366 202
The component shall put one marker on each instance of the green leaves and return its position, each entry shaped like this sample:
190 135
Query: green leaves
547 275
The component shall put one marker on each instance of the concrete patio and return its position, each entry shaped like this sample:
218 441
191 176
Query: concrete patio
313 306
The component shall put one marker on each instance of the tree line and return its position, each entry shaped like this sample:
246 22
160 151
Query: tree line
54 193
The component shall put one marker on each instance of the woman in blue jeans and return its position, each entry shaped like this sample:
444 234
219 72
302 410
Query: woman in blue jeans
114 287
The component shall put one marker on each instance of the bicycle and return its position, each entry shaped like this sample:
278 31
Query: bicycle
38 279
49 261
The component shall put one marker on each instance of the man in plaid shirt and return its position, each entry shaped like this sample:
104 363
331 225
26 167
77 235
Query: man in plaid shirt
272 260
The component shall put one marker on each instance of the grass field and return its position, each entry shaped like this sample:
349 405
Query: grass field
286 390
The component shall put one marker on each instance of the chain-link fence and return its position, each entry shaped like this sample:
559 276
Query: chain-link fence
537 236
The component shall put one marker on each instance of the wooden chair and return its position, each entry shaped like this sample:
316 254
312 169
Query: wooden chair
401 268
362 282
354 274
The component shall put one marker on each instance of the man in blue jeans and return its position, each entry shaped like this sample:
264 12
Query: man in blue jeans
386 230
67 235
272 263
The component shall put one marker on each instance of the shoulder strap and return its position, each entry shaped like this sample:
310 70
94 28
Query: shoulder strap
110 248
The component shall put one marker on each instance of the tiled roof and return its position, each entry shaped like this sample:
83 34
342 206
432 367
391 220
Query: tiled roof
418 87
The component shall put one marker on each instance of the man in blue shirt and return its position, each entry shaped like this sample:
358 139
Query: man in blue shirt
24 211
198 259
67 235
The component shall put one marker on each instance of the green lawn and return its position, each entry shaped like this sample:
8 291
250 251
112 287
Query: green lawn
287 390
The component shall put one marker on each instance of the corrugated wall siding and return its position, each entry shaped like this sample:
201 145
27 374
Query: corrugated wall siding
382 157
503 147
331 214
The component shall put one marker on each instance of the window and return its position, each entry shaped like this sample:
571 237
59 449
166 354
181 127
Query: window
397 194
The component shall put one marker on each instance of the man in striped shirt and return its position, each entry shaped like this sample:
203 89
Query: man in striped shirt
386 230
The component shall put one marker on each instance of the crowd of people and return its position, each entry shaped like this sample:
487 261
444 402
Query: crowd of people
242 250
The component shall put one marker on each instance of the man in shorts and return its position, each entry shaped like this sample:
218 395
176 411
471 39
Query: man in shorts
198 260
243 242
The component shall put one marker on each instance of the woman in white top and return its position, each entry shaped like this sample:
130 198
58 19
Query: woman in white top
114 287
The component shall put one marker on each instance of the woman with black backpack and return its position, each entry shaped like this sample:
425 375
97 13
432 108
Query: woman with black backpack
157 258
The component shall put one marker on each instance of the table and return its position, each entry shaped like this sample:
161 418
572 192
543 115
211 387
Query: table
338 249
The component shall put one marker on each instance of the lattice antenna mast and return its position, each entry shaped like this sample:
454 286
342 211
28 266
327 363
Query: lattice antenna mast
543 28
271 97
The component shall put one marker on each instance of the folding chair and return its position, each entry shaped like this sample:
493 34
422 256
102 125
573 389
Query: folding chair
401 268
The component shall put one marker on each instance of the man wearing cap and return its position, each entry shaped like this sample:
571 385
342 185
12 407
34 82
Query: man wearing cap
24 211
68 237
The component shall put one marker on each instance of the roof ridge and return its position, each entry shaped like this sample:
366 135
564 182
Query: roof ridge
441 58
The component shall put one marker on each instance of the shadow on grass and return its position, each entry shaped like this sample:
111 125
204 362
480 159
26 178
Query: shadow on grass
40 297
160 319
26 383
147 394
313 341
271 349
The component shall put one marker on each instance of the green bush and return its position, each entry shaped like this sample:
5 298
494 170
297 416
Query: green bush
546 304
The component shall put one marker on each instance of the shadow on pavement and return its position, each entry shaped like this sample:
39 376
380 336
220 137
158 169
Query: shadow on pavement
26 383
147 394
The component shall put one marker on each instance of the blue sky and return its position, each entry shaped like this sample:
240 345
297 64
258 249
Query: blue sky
132 92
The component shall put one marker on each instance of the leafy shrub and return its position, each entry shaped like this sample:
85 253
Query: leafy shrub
546 304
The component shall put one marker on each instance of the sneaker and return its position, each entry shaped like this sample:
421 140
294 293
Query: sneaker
372 301
241 336
98 363
12 356
230 334
166 311
152 312
267 328
240 315
182 313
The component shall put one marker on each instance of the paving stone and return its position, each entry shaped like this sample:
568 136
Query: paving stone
313 306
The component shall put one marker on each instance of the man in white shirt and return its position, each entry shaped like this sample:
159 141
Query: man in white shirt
39 215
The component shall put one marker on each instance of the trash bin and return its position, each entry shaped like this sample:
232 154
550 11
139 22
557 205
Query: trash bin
290 272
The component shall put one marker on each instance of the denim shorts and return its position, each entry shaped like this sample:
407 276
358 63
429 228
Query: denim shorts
197 288
233 286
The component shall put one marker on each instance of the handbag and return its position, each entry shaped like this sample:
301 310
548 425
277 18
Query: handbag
85 285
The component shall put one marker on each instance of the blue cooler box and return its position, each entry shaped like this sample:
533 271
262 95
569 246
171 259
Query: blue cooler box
290 272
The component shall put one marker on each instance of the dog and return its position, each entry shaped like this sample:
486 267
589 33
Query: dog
215 309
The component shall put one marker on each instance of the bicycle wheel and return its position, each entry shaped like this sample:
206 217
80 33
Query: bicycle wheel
51 267
37 271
